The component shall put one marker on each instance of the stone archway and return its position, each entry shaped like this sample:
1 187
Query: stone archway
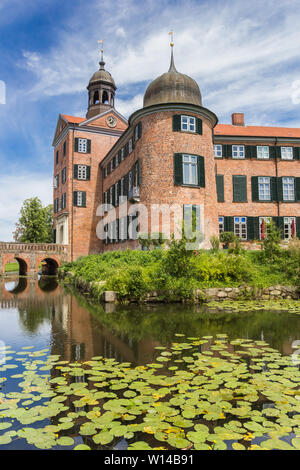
49 266
22 262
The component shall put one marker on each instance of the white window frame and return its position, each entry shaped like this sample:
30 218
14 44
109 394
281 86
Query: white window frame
122 154
82 172
240 152
264 180
188 124
192 161
218 151
136 134
82 145
288 188
130 180
79 198
287 227
287 153
130 145
240 228
263 152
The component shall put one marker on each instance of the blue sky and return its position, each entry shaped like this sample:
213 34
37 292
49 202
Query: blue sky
243 54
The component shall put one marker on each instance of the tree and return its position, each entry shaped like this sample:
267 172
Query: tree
35 224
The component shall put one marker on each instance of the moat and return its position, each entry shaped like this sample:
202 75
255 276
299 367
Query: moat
42 315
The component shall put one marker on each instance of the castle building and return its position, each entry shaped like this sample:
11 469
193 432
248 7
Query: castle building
172 152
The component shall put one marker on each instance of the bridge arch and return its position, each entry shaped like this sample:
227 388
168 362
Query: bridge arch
50 265
23 263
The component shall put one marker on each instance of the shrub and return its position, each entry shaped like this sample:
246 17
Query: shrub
215 243
271 242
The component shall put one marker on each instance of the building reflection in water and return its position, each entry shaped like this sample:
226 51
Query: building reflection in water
80 331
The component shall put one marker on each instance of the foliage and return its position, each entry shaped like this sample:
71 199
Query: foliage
35 224
215 243
154 240
271 242
227 237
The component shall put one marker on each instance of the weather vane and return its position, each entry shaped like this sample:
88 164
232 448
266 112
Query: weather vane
171 33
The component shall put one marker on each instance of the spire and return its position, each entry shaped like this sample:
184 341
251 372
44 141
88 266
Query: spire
172 64
101 63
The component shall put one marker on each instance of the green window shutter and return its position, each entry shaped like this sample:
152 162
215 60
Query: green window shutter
239 188
297 189
280 225
84 199
227 151
75 198
113 195
272 152
75 172
255 193
126 152
76 144
279 189
220 187
65 147
199 127
296 153
201 171
253 228
298 227
274 189
177 122
88 146
277 152
248 151
88 173
126 185
253 151
228 224
178 169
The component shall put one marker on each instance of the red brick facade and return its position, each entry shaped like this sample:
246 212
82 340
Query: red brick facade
142 157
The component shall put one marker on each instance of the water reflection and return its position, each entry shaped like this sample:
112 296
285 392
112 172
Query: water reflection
78 329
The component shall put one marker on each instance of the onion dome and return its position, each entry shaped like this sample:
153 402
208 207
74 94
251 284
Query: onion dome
173 87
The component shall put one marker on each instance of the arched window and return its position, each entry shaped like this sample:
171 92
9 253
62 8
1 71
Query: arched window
96 97
105 97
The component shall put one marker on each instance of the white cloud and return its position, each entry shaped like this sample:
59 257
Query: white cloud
14 189
127 107
241 53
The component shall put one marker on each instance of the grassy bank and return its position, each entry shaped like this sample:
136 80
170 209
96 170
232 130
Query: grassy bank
12 267
178 272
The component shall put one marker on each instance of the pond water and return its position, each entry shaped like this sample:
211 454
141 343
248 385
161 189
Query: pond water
41 315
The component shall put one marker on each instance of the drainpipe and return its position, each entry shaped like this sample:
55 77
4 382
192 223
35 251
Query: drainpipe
276 165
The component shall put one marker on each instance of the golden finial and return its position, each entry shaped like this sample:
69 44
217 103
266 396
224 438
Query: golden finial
101 50
171 33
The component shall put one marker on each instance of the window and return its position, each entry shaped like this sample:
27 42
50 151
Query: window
221 225
238 151
56 182
288 187
57 157
64 175
264 189
79 198
130 146
267 220
130 180
263 152
111 166
55 205
287 153
218 151
188 123
111 195
289 227
65 148
190 169
122 154
63 201
116 194
82 173
239 184
117 160
82 145
240 227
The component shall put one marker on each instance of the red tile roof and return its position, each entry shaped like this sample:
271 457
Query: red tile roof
256 131
73 119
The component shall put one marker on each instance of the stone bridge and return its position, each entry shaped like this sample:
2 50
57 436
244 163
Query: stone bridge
31 255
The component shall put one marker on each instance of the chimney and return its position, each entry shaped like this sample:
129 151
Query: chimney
238 119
